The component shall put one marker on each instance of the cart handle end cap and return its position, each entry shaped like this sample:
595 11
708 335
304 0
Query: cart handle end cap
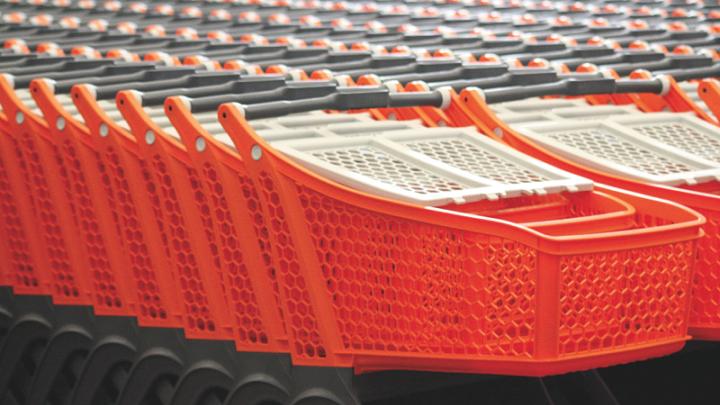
342 80
137 95
91 89
477 91
185 101
665 81
392 85
49 83
446 93
239 107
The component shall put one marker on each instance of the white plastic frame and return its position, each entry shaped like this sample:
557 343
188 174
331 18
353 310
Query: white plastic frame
703 170
476 187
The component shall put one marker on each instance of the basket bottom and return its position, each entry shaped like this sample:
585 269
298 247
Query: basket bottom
368 362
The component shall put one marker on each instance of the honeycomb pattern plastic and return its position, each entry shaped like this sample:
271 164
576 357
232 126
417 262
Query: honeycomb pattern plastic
107 297
152 309
604 143
706 284
471 294
239 289
63 280
169 217
302 319
262 230
603 306
23 269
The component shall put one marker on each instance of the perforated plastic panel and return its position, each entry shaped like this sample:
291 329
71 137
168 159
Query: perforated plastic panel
64 282
681 131
151 307
379 165
599 143
243 303
106 294
25 273
303 324
606 306
618 149
394 294
432 166
470 157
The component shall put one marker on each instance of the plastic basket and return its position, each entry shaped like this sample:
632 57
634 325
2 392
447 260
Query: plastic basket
704 198
384 285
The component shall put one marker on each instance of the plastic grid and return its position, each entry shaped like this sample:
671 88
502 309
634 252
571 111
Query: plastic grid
606 144
706 283
206 217
407 287
687 133
64 283
301 318
431 166
106 295
262 231
169 217
471 158
373 213
249 328
23 269
379 165
152 309
614 147
622 298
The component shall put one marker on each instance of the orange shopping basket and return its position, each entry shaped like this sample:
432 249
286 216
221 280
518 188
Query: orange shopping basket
382 284
478 108
551 284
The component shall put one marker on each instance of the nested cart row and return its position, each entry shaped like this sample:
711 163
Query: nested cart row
354 211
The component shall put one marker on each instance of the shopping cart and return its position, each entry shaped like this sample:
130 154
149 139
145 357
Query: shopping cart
190 254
